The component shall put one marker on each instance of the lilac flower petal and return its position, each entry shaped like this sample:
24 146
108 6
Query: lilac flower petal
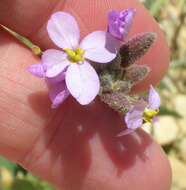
119 23
63 30
58 94
113 16
37 70
57 69
54 62
127 16
52 57
99 47
133 118
113 24
82 82
154 99
57 79
155 119
126 132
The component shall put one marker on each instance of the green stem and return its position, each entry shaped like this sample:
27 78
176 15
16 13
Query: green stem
34 48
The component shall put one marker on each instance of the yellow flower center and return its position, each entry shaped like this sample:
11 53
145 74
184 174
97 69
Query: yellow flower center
75 56
149 114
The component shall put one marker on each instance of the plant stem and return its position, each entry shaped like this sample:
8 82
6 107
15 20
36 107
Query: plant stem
34 48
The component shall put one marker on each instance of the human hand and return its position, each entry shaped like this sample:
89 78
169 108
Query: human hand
74 147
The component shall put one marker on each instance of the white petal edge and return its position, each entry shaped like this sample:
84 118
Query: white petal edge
154 99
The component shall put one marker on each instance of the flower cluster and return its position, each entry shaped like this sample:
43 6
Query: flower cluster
69 71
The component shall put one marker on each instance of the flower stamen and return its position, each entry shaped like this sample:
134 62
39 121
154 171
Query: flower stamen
75 56
149 114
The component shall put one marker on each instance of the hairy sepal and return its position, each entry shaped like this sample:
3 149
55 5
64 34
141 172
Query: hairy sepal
136 47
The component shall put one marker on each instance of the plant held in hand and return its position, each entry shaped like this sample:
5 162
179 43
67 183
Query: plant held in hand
103 63
71 66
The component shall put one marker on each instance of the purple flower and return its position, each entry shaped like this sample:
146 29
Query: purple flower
71 66
120 23
143 112
58 93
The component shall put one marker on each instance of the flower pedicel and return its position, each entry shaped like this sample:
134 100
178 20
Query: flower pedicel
103 63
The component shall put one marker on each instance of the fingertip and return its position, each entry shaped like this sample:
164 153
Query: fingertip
142 165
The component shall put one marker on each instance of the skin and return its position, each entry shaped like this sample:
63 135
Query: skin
74 147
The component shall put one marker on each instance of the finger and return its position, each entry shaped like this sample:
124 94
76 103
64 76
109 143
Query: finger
91 15
22 139
86 154
74 147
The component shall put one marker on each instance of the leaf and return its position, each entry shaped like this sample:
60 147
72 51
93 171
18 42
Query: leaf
155 6
136 73
23 184
118 101
20 169
167 111
7 164
136 47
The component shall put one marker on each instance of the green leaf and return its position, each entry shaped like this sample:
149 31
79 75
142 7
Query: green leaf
23 184
167 111
7 164
20 169
38 183
155 6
